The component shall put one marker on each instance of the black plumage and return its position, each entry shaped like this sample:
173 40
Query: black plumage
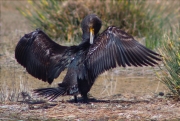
45 59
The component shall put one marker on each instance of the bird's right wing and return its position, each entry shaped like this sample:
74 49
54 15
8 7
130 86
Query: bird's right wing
37 53
115 47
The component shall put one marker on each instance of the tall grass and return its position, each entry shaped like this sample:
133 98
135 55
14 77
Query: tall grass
171 60
61 19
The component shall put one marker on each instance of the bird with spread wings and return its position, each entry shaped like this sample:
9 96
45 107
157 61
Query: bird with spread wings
45 59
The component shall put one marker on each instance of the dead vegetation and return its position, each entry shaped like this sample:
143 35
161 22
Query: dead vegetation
117 107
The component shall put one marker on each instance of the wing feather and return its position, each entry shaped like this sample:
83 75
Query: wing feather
37 52
115 47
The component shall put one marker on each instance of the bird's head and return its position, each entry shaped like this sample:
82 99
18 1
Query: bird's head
90 25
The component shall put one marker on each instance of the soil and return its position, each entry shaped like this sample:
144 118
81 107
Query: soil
117 107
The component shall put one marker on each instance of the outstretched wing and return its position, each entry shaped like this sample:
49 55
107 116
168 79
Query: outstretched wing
115 47
37 52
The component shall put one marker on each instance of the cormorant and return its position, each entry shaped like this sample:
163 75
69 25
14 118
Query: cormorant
45 59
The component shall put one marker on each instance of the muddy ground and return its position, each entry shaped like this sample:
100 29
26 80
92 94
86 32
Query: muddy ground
119 94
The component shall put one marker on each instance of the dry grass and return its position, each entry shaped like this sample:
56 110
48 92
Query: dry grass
128 107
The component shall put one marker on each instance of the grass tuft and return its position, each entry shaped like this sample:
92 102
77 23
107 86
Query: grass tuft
171 60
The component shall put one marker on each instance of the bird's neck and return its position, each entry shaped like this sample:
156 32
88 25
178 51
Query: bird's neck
86 37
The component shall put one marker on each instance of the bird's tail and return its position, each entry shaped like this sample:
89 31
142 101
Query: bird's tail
51 93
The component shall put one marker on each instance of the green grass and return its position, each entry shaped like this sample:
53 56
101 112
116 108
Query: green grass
61 19
171 61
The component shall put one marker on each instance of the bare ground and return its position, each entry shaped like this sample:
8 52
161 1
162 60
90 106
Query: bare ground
117 107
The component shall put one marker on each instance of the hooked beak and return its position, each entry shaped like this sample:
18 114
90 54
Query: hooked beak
91 35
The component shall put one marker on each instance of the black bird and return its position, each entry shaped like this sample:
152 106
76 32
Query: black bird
45 59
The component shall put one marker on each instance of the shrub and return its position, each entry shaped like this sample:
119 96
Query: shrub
61 19
171 60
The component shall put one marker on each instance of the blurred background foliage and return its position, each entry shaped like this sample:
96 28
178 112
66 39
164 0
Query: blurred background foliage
61 19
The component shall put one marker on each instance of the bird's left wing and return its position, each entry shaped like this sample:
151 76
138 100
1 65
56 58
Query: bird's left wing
38 53
115 47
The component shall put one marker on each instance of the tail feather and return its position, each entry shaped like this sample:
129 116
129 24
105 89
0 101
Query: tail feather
50 93
57 94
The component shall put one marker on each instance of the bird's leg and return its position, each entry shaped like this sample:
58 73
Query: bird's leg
85 98
75 98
